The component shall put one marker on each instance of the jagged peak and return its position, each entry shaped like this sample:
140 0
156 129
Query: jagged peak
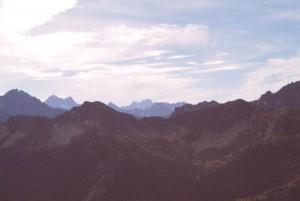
69 98
64 103
288 95
15 92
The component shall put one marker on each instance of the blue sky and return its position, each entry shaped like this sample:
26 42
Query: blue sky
121 51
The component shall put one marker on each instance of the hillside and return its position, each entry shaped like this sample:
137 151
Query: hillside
233 151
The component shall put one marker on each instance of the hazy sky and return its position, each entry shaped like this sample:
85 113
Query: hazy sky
166 50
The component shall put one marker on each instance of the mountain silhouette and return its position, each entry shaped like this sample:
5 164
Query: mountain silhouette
18 102
63 103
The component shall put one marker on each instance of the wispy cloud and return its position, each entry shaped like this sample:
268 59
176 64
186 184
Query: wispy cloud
192 63
180 56
152 7
219 69
155 53
208 63
106 44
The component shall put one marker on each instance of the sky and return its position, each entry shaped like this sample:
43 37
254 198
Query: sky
169 51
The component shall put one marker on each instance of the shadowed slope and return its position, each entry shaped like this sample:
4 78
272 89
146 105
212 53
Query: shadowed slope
232 151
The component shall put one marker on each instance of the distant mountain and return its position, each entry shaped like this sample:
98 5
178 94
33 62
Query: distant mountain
288 95
63 103
143 105
113 106
18 102
192 108
233 151
147 108
160 110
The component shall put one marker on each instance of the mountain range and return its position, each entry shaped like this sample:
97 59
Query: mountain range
148 108
63 103
233 151
287 96
18 102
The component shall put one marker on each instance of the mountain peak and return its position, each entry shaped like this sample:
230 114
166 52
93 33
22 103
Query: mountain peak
97 113
15 92
92 109
53 97
148 108
63 103
288 95
144 104
19 96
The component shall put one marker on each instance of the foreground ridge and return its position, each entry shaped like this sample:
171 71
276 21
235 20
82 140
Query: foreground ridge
233 151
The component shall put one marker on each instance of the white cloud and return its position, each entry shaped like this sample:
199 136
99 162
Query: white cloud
18 16
106 44
43 48
155 53
192 63
189 35
219 69
155 35
213 63
151 7
44 76
180 56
